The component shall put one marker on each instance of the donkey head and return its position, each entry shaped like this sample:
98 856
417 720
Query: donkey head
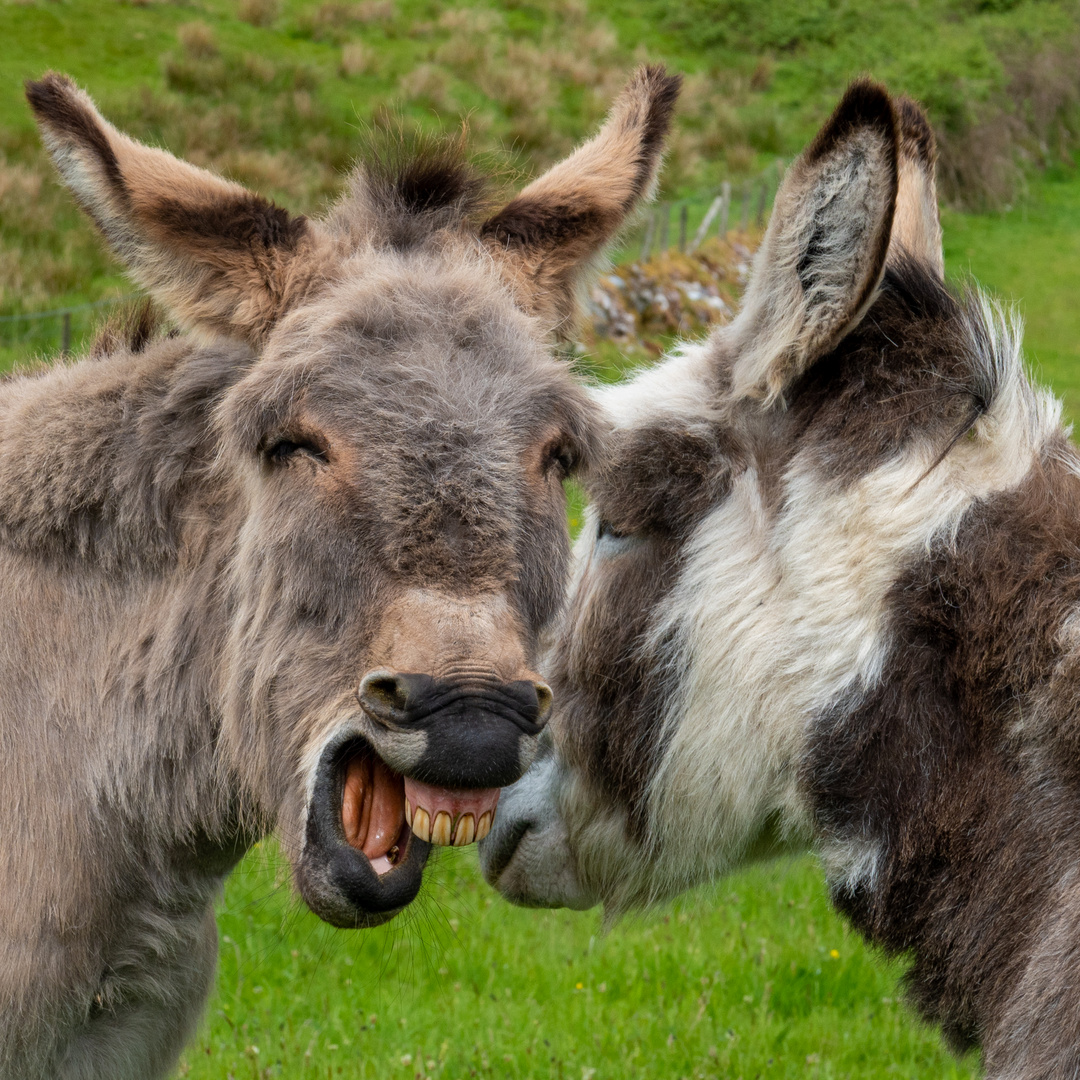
758 499
389 469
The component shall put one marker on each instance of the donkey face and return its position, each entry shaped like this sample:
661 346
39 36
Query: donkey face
387 482
760 497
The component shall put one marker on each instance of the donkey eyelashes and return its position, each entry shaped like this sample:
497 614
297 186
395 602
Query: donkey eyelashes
282 450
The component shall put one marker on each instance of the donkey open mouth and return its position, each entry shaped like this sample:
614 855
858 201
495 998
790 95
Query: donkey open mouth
425 768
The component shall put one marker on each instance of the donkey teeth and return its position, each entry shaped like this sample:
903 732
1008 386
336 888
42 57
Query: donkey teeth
421 825
465 832
441 829
483 826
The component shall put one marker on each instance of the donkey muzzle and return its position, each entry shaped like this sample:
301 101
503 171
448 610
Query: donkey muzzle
469 732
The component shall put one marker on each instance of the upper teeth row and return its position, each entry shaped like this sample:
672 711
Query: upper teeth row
445 831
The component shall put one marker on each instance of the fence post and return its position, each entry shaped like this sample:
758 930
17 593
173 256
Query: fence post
664 212
65 341
706 221
725 208
684 215
762 194
744 213
646 240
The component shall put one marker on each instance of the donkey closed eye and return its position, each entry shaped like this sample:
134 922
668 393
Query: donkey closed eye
283 451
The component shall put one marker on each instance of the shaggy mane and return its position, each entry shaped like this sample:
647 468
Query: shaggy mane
131 327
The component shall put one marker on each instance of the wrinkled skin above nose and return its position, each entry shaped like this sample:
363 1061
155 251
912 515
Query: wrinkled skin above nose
450 715
451 700
472 725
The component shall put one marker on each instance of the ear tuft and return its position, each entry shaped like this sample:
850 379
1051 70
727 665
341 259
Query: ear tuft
823 255
68 121
864 108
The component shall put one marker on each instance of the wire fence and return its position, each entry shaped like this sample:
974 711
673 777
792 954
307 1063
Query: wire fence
683 226
57 331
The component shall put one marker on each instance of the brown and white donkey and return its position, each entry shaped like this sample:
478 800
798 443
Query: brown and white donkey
828 588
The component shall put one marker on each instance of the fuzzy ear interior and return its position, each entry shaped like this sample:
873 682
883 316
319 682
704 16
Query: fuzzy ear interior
823 255
549 236
221 258
916 228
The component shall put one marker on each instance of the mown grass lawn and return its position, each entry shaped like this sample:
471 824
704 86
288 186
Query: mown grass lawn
754 978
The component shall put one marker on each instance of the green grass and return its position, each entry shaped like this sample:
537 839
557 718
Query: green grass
1030 256
754 978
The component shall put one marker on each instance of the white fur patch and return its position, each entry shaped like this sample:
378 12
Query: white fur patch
778 619
672 387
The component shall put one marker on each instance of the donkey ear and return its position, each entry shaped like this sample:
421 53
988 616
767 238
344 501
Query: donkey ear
548 237
218 256
824 252
917 225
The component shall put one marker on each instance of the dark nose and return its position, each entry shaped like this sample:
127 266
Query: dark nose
406 700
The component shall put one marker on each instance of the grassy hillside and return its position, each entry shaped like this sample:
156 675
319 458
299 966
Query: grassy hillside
275 92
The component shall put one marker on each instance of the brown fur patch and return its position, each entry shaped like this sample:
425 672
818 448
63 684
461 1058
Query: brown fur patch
978 819
613 684
132 329
240 223
907 372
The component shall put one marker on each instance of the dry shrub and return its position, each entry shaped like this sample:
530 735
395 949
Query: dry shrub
427 83
740 158
356 59
333 20
195 76
1033 120
520 84
258 69
258 12
462 54
270 173
197 40
20 189
303 104
762 76
470 20
372 11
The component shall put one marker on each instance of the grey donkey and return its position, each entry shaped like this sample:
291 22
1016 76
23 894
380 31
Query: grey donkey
284 571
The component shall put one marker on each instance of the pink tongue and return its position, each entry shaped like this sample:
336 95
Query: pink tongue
454 801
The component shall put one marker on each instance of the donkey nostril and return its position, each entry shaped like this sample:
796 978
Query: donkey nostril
382 693
543 702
